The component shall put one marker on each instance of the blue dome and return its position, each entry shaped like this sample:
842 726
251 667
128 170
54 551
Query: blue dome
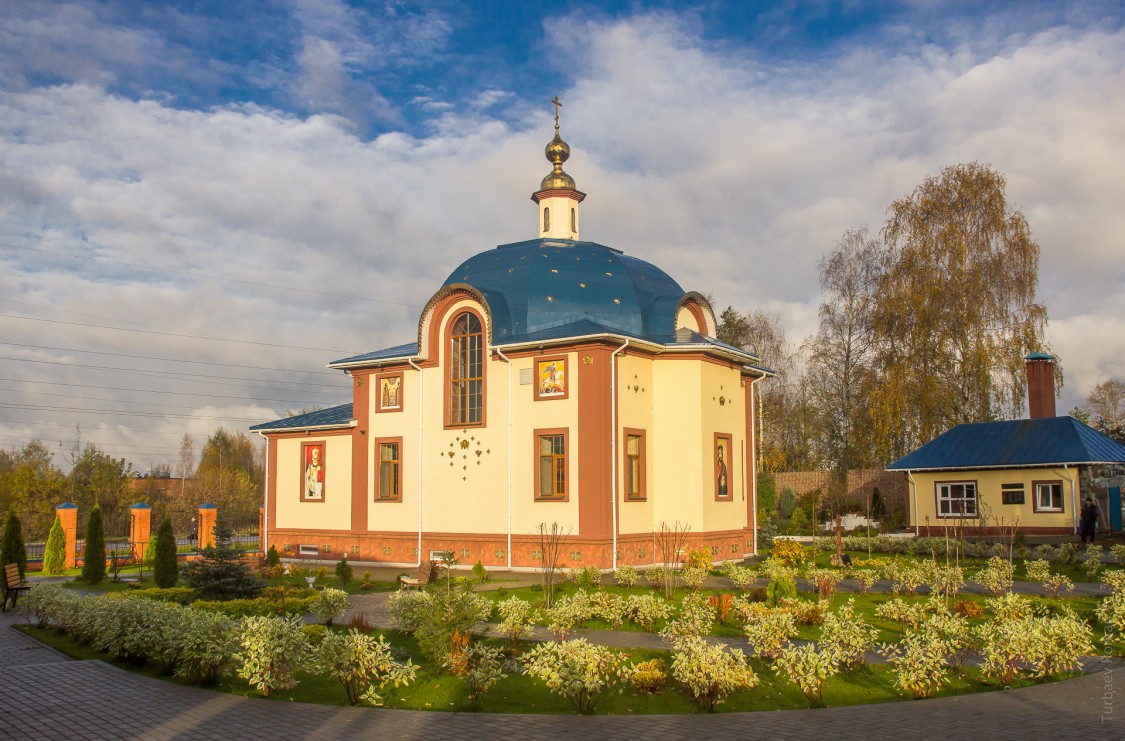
543 284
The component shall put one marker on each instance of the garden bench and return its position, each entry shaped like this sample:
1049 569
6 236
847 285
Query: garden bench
426 574
13 585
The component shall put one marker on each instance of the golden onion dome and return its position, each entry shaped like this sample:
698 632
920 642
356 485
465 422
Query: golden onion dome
557 152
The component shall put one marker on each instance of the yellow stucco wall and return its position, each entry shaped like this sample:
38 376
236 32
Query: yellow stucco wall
335 511
988 494
635 410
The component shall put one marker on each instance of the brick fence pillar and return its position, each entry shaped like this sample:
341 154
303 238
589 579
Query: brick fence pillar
208 513
140 528
68 518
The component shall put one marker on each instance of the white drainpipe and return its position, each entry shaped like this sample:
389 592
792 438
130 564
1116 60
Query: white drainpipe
613 441
914 486
421 399
754 464
508 360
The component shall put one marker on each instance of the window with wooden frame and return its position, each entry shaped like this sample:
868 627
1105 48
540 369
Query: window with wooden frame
1011 493
465 372
1048 496
388 469
552 476
956 498
633 450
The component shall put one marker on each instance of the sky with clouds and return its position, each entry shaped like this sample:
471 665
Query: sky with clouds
202 203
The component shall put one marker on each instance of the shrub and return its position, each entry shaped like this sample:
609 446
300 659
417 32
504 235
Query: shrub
710 672
996 577
1055 583
315 633
179 595
1048 644
608 607
1009 606
787 502
54 554
919 661
655 576
780 589
330 604
1037 571
808 666
1117 550
344 571
258 607
905 575
699 558
516 617
481 666
848 636
273 559
409 609
946 580
1045 552
587 577
272 648
1110 612
646 609
567 613
865 578
968 608
790 552
647 676
799 522
359 622
577 670
480 573
807 613
767 630
825 581
366 583
205 645
696 618
321 574
626 575
12 549
1066 553
693 577
443 613
1115 580
1092 564
741 577
362 664
901 611
165 565
93 552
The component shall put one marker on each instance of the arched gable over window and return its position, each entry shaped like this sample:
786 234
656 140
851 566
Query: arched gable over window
464 371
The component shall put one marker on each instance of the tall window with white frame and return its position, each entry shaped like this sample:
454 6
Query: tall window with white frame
957 499
466 371
552 466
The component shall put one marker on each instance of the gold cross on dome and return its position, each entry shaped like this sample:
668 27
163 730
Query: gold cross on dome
557 104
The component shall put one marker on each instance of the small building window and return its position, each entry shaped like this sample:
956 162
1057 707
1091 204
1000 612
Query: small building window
551 457
1048 496
1011 493
957 499
466 371
388 458
573 220
634 465
546 219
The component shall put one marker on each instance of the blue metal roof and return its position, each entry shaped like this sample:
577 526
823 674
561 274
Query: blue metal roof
1021 442
409 350
545 283
330 417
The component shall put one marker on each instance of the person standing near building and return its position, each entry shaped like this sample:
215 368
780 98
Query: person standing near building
1088 521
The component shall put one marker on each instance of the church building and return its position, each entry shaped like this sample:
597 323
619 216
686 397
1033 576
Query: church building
552 380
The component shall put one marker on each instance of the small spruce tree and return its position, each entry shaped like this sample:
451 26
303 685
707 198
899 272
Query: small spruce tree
12 550
344 570
165 566
93 554
54 555
272 557
219 572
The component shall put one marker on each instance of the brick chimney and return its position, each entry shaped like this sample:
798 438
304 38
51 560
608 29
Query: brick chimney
1040 385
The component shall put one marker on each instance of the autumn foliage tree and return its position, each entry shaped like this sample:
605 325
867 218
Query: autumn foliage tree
955 311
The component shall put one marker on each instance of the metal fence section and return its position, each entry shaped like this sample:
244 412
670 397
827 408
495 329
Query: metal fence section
245 528
115 526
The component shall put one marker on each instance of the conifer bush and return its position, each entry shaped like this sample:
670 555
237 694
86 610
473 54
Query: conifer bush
219 572
54 555
93 554
273 559
12 549
165 564
344 570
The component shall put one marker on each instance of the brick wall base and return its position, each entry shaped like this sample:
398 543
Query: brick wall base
491 550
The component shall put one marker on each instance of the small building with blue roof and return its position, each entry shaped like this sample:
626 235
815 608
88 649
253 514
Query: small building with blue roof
1033 474
552 380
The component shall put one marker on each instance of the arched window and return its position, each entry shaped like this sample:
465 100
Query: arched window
573 220
546 219
466 371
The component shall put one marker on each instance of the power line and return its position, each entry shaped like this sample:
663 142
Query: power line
167 360
212 277
146 391
72 410
171 374
70 426
169 334
54 395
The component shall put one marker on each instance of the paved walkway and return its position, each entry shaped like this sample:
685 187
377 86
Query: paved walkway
43 695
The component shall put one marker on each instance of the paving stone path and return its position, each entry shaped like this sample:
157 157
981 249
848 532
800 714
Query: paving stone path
44 695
